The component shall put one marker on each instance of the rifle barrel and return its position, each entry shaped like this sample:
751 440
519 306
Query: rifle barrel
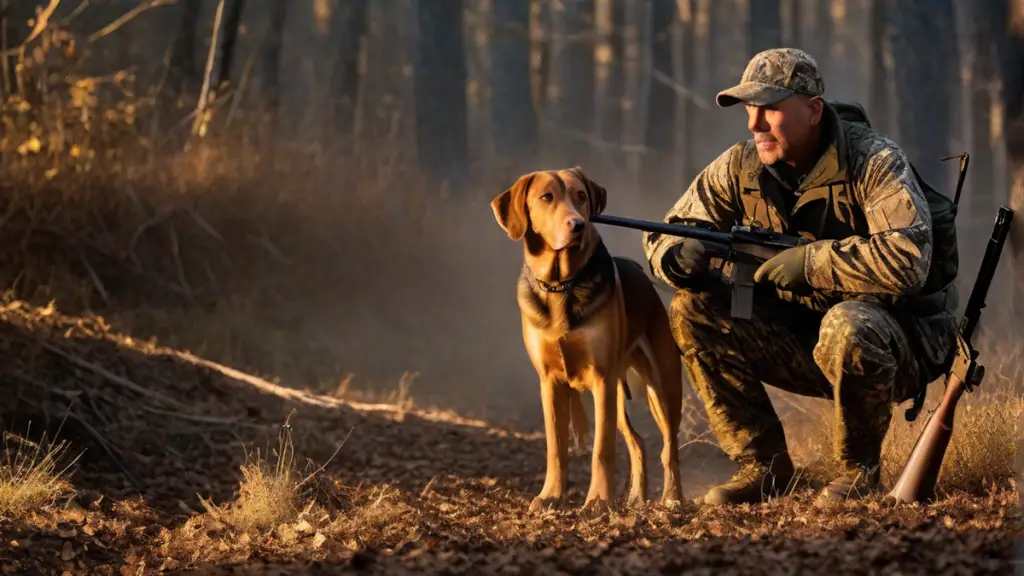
664 228
986 272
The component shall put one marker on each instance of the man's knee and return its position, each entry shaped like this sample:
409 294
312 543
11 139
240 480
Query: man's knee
858 339
696 315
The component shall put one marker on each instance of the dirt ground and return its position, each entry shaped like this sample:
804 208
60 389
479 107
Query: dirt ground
400 491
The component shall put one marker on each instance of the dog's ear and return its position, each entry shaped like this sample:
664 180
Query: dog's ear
597 194
509 208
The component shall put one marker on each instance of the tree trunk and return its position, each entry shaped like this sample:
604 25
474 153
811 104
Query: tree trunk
818 39
660 130
983 76
572 70
764 25
440 91
1011 56
349 26
513 118
227 45
880 104
924 84
183 75
612 116
684 73
271 55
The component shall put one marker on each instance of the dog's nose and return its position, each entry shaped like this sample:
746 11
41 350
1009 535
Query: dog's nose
577 225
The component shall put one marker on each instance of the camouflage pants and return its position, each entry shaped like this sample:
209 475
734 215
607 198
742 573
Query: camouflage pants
855 353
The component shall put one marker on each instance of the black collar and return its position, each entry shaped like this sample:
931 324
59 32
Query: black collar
593 266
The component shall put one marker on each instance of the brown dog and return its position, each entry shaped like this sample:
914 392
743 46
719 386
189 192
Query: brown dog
587 318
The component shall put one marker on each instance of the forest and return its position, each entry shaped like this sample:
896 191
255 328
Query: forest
253 295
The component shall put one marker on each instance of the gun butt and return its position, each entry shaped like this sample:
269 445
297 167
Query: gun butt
921 473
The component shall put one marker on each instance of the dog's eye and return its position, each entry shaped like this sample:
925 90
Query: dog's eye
582 196
547 197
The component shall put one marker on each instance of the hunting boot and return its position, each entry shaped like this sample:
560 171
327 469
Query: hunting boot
754 482
856 481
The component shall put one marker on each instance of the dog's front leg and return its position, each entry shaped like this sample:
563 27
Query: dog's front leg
555 399
602 467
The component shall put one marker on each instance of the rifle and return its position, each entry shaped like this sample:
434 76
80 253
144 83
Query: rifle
747 247
919 476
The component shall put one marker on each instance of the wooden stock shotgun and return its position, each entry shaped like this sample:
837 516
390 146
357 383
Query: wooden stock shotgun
917 482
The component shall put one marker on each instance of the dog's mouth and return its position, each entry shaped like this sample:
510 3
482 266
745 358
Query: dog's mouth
567 239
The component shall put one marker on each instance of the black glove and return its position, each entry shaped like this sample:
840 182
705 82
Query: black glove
786 271
686 260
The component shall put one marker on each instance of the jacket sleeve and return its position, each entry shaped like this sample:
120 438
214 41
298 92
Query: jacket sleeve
895 257
708 202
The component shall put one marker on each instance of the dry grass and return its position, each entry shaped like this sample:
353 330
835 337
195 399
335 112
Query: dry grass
31 476
269 495
983 454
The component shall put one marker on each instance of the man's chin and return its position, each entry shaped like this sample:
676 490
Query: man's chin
768 157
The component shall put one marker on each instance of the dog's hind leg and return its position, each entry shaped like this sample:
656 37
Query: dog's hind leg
635 446
578 415
661 370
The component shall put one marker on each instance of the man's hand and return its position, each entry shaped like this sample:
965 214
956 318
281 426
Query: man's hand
786 271
689 258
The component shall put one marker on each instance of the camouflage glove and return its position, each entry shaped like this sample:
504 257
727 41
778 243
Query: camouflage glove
786 271
687 259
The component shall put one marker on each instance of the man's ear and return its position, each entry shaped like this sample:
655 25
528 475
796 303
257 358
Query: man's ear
597 194
817 109
509 208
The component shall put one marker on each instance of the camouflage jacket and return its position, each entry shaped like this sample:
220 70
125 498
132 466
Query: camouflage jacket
861 202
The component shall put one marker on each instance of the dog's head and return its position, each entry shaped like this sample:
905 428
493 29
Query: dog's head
554 205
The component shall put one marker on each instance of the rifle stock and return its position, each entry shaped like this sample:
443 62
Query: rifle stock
921 472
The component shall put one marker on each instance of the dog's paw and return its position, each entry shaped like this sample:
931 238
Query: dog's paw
672 504
542 502
595 508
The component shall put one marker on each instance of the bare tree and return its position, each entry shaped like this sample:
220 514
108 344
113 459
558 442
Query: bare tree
572 76
1010 37
982 87
924 83
440 90
614 92
765 25
232 22
183 75
660 132
879 103
271 55
349 23
513 119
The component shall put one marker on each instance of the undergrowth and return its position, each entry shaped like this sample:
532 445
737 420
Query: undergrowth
33 475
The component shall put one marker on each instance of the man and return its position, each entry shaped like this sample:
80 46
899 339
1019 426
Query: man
860 315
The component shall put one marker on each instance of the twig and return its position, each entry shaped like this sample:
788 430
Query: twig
201 118
112 451
42 21
114 378
324 465
199 417
95 278
176 252
127 17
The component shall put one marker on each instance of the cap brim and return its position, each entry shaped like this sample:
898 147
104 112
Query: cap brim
753 93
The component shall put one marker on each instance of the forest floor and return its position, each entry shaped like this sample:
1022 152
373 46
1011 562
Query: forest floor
164 439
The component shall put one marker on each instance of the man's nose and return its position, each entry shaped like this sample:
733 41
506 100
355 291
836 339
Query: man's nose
756 121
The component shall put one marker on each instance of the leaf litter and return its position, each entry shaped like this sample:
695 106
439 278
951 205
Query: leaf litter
160 441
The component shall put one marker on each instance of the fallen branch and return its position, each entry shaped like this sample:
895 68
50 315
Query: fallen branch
114 378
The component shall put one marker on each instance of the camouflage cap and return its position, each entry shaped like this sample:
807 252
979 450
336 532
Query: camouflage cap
773 75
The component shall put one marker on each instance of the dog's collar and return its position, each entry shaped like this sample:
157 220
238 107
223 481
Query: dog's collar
588 271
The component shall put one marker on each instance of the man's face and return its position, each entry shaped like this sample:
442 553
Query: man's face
782 131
